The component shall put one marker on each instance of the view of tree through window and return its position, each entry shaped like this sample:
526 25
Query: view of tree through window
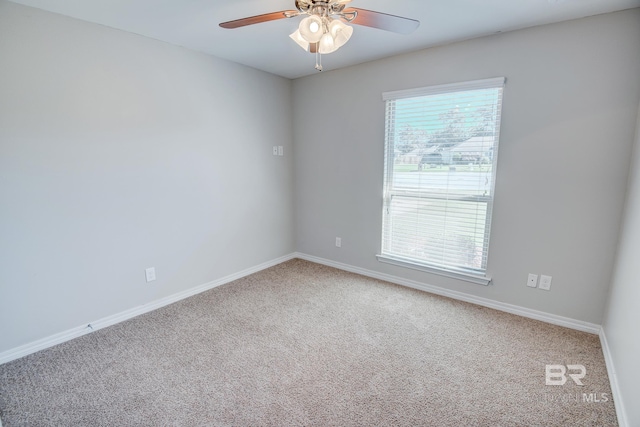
441 151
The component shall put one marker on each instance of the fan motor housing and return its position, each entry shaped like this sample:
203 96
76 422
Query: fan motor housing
320 7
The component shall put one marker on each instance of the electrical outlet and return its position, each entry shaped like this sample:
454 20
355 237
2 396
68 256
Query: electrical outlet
280 150
532 281
545 283
150 274
338 242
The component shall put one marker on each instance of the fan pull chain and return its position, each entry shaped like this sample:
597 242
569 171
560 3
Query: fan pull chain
318 60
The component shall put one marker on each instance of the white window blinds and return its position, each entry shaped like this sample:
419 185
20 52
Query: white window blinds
440 163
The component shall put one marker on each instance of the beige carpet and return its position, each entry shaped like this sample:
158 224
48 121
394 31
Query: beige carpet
301 344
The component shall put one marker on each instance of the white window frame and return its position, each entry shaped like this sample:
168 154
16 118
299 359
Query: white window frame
478 276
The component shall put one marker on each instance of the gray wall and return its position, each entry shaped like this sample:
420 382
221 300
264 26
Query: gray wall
569 117
623 315
118 153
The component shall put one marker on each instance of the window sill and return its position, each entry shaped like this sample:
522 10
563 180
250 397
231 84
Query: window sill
467 277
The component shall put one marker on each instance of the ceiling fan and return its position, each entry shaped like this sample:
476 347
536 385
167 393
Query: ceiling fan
323 30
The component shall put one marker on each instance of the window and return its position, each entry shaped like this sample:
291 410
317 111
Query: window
441 149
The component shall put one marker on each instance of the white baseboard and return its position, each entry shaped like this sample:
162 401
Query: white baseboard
613 380
485 302
67 335
78 331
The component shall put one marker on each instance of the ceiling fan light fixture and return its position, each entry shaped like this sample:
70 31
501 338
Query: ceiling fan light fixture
311 29
327 44
297 37
340 32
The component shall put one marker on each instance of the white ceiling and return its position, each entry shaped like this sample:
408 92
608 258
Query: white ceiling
266 46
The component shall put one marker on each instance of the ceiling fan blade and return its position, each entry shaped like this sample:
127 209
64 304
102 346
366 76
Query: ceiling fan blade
313 47
383 21
273 16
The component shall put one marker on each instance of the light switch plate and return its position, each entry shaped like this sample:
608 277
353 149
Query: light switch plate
545 283
532 280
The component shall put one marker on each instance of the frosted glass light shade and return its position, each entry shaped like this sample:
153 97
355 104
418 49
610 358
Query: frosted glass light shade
341 33
297 37
327 44
311 29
